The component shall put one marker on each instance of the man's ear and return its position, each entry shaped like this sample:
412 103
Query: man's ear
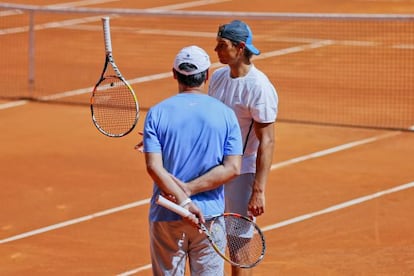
174 73
241 45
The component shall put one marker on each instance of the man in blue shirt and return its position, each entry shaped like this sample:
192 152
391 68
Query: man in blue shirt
192 145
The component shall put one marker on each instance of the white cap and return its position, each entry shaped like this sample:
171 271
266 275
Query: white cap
193 55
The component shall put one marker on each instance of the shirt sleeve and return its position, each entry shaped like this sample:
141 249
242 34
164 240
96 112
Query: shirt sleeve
264 106
151 141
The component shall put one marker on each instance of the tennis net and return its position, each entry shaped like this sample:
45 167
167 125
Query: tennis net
337 69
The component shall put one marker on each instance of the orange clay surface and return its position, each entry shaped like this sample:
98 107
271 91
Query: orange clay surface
58 175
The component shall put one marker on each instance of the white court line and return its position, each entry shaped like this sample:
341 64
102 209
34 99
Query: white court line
169 74
75 221
75 22
93 19
10 12
51 25
307 216
144 201
332 150
189 4
324 211
12 104
339 206
80 3
135 270
63 5
404 46
64 23
266 228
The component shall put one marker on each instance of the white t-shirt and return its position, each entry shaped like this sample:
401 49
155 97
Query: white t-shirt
252 97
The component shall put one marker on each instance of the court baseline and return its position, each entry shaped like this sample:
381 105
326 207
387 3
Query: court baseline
308 216
323 211
60 5
146 201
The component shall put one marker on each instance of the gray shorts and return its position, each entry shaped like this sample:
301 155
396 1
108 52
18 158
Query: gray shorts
171 243
238 192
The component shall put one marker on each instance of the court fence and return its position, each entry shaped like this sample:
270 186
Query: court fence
352 70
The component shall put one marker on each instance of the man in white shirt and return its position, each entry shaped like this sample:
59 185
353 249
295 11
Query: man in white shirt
254 99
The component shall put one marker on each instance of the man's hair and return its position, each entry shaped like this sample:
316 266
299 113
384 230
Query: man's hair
195 80
247 53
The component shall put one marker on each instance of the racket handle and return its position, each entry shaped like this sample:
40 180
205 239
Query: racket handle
107 34
162 201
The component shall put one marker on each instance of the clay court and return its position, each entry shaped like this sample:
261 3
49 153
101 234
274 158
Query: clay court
340 197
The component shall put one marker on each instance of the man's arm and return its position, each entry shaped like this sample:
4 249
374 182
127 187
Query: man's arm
217 176
167 184
266 134
161 176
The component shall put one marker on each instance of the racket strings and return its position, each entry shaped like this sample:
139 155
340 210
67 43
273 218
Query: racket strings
114 106
245 245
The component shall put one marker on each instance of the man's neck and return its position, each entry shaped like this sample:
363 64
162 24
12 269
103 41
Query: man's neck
195 90
240 70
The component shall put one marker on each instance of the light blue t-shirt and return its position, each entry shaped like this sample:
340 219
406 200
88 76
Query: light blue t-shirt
193 132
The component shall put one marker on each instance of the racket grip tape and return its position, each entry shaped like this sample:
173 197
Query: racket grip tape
107 34
162 201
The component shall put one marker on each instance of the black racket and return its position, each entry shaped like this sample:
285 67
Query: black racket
114 105
237 239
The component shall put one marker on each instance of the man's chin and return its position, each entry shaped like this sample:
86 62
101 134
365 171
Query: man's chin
223 61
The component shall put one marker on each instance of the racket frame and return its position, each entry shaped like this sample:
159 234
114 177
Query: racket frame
162 201
110 60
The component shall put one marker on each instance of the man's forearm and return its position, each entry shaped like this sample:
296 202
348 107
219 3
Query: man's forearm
216 176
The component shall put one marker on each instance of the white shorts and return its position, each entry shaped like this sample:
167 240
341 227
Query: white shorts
172 242
238 192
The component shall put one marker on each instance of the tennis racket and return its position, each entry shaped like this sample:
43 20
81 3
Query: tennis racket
114 105
237 239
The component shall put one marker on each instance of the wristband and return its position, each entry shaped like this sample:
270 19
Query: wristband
185 202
